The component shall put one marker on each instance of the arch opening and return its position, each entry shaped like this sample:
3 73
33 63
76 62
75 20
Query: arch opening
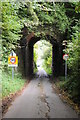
42 61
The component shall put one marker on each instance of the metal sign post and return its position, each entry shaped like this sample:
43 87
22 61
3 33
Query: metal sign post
12 73
65 57
65 69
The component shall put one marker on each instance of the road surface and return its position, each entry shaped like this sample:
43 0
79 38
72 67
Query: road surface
39 100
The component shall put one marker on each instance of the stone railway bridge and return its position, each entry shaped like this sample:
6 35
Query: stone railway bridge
25 53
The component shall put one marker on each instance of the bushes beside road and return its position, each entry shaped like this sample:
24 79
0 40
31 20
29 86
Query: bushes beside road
10 86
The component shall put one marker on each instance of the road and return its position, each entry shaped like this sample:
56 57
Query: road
39 100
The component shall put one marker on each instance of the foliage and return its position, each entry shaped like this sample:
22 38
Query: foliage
35 58
72 84
77 8
17 13
74 53
11 27
47 57
11 86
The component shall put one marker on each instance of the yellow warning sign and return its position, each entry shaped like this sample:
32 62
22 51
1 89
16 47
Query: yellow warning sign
13 61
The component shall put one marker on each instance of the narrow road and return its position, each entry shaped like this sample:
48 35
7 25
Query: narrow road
39 100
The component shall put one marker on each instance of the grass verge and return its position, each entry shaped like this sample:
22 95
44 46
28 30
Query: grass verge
66 90
11 89
10 86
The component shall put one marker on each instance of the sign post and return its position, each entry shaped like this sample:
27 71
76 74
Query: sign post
65 57
12 62
65 69
12 73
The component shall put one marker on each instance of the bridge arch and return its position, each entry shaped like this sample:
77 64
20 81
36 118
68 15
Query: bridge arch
27 43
